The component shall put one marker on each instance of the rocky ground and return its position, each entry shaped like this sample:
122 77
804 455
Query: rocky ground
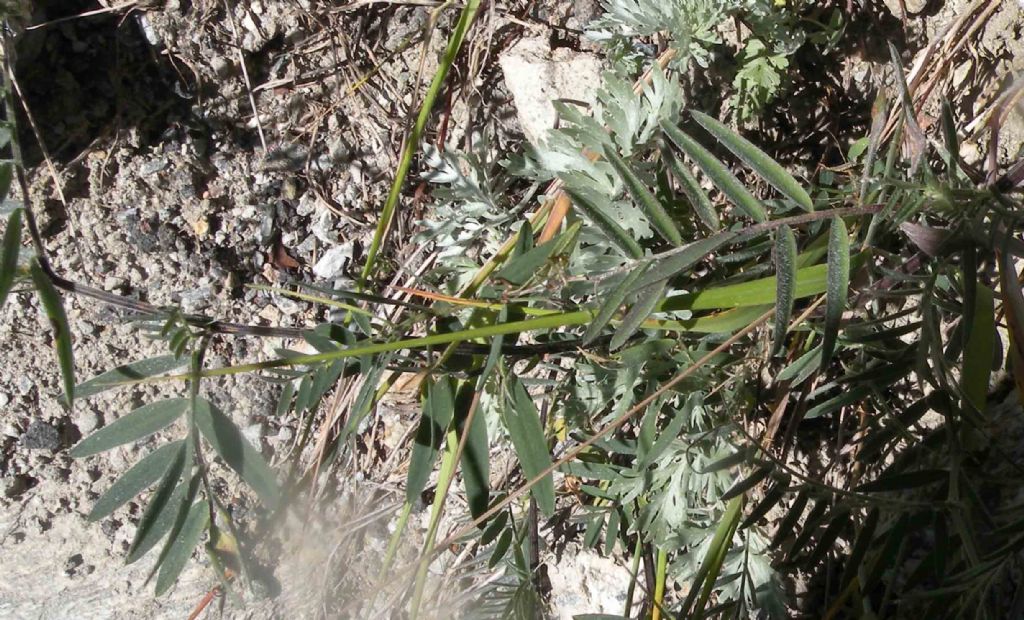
181 178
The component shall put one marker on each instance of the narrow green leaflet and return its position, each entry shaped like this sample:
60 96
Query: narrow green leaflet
697 197
520 269
785 284
711 565
163 506
140 477
140 423
523 423
771 499
50 299
128 373
837 283
901 481
180 549
9 255
759 161
980 349
237 452
6 176
612 302
588 204
742 486
645 304
686 257
475 460
437 414
719 174
647 201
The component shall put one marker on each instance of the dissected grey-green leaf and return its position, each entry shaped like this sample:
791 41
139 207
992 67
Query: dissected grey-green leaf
236 451
140 477
590 204
140 423
759 161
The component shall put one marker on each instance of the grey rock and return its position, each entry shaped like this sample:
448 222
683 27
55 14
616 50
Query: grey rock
40 436
333 261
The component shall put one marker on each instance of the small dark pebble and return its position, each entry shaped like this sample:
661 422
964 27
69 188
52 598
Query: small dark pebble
40 436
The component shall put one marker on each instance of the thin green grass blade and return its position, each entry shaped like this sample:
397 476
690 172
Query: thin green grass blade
646 200
141 422
140 477
785 289
697 197
759 161
837 283
711 565
723 179
50 299
437 415
523 424
412 141
9 255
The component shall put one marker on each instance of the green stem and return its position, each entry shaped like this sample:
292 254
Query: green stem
634 570
413 139
444 480
659 584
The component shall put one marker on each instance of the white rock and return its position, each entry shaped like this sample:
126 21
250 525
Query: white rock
86 421
333 261
536 76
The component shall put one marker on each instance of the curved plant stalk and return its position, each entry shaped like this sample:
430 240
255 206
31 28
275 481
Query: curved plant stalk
444 481
659 583
634 571
412 141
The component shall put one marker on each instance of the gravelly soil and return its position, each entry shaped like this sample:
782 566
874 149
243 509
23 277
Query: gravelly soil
171 191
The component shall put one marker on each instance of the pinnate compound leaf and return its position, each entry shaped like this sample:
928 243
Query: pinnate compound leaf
437 414
180 549
719 174
54 308
759 161
696 195
785 284
647 201
164 505
140 423
240 455
612 302
9 255
523 423
140 477
836 285
645 304
128 373
771 499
